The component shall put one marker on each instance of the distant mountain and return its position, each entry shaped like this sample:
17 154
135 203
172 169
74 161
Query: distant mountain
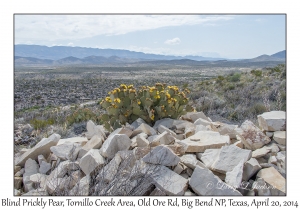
60 52
281 54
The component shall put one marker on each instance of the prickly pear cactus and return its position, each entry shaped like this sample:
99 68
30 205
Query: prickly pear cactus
126 104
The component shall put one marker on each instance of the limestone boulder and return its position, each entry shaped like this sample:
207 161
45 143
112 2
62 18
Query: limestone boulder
193 116
234 177
66 151
137 123
163 156
168 181
79 140
250 168
164 138
191 161
41 148
272 177
229 157
44 167
144 128
280 137
272 121
204 182
252 137
203 140
95 143
209 157
113 144
93 129
82 187
91 160
226 129
162 129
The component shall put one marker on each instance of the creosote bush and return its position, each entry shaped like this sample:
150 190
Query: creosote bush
126 104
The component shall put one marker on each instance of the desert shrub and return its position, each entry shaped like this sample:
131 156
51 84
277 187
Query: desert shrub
126 104
256 73
235 77
41 123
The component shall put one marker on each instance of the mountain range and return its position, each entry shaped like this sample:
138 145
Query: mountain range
63 55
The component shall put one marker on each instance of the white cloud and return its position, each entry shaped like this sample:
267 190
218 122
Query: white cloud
72 27
71 44
173 41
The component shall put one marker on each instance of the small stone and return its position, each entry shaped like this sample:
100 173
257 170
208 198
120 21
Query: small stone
144 128
191 161
95 143
280 137
44 167
141 141
269 134
162 128
165 138
18 181
250 168
202 122
272 160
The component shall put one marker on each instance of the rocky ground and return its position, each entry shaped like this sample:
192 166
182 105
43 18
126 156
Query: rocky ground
190 156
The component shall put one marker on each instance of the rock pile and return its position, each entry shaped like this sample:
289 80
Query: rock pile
189 156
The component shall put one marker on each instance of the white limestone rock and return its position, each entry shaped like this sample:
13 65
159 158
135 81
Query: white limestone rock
80 140
168 181
143 128
229 157
234 177
191 161
272 177
252 137
93 129
91 160
203 140
250 168
113 144
280 137
204 182
66 151
163 156
164 138
41 148
272 121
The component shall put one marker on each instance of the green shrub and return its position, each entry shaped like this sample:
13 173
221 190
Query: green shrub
126 104
41 124
256 73
235 77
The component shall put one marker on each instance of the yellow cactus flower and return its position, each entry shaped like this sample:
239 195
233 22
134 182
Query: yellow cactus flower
130 86
152 117
123 86
108 99
117 100
168 95
157 96
139 102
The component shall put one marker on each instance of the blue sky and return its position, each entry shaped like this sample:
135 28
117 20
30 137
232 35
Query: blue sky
225 36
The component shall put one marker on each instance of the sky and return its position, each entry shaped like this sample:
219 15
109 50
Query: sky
223 36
